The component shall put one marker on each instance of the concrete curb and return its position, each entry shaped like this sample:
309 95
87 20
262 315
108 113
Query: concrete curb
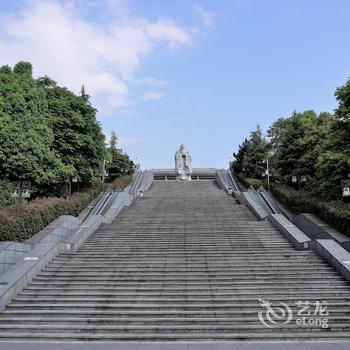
291 232
254 206
336 255
315 228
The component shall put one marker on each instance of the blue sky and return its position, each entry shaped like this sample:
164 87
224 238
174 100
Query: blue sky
202 73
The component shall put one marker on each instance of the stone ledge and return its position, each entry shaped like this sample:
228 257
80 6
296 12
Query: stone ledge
120 200
12 252
17 277
315 228
290 231
336 255
60 228
254 206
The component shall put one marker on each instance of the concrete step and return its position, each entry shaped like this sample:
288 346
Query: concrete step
184 263
192 336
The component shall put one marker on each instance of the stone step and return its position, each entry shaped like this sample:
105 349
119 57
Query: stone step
146 329
25 298
185 263
256 293
155 303
274 282
168 269
53 319
178 296
247 275
150 313
154 307
163 337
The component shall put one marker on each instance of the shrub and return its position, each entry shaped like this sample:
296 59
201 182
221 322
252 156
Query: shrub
249 182
18 224
335 213
121 182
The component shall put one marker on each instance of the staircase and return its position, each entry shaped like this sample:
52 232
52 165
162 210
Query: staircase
183 263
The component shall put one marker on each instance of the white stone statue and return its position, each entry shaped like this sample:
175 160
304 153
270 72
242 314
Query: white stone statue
183 167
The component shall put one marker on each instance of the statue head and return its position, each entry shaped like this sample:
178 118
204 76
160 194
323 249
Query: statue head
182 147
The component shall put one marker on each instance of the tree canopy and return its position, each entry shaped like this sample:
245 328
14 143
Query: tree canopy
119 162
48 134
307 144
251 154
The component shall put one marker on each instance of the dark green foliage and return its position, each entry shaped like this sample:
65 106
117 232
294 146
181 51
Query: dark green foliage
251 155
295 145
48 135
34 216
26 136
333 164
5 193
335 213
299 148
304 145
120 163
237 164
23 68
78 139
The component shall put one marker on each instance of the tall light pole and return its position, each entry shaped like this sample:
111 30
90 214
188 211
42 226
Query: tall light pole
103 170
266 161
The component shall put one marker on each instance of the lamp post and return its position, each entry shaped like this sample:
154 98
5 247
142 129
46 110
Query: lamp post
267 172
103 170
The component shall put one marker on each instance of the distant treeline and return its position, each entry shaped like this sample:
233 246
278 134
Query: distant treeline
50 136
314 148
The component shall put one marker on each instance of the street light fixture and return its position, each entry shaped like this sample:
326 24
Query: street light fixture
267 172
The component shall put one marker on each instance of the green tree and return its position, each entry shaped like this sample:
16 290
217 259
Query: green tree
120 163
48 135
23 68
78 138
255 154
295 144
26 137
237 164
333 163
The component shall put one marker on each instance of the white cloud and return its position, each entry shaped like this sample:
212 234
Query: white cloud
152 95
154 82
206 17
131 140
61 43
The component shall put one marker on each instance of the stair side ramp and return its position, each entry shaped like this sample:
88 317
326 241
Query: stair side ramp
226 181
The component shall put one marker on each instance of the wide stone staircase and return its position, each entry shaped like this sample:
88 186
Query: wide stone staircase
185 262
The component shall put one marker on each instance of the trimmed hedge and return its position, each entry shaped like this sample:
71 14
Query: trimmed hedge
121 182
334 213
34 216
249 182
